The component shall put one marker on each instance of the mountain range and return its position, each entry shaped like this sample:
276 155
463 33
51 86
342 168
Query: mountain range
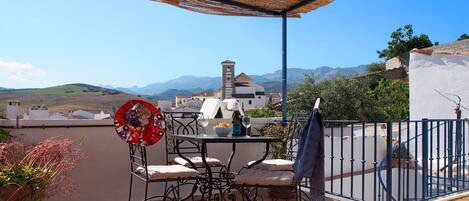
181 86
271 81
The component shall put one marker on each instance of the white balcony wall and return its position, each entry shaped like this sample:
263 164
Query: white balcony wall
104 174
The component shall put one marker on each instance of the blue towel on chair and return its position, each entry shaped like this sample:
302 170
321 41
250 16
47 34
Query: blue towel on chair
310 157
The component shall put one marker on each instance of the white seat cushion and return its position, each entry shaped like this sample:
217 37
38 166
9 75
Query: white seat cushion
197 160
162 172
264 177
274 165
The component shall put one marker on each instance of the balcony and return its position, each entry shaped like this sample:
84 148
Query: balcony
363 161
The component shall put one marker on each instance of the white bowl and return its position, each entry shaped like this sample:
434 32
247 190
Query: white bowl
222 132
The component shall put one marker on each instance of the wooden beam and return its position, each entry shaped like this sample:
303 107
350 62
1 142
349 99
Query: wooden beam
249 7
298 5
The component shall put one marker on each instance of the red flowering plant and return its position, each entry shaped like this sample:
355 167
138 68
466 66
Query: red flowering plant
35 172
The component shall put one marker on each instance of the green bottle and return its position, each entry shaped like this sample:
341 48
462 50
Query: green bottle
236 123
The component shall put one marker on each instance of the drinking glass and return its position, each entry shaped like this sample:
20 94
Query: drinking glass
246 121
203 121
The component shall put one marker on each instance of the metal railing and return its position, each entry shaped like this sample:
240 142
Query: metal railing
404 160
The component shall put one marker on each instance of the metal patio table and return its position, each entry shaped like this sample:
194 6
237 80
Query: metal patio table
204 139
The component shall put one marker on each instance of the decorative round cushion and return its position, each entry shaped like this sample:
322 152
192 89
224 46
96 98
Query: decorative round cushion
139 122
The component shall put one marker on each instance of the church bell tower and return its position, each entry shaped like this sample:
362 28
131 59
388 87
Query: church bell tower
228 69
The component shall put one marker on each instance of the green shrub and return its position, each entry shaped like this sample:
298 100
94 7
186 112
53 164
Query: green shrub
348 98
4 135
274 130
261 112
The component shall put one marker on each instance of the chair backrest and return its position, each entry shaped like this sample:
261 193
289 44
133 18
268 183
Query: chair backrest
182 123
138 158
295 128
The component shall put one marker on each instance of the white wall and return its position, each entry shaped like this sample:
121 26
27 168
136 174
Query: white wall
445 73
39 114
104 174
245 90
13 110
165 106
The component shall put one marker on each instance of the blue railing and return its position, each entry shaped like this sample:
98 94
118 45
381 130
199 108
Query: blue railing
417 160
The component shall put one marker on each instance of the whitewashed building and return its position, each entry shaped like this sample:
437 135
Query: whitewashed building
58 116
165 106
38 112
436 81
81 114
181 101
243 88
13 109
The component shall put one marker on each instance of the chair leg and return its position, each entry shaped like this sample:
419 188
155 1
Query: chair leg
165 190
146 190
178 190
130 187
297 193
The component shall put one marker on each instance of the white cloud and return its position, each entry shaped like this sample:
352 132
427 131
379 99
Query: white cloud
20 72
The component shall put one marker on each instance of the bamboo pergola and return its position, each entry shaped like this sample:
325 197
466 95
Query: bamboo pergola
256 8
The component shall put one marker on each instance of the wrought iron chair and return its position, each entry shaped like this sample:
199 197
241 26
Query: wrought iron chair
187 123
275 173
179 174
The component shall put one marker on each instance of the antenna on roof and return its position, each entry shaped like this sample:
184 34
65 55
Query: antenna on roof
457 103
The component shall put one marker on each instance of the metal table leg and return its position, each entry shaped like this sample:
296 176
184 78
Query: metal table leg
208 169
267 145
233 151
194 188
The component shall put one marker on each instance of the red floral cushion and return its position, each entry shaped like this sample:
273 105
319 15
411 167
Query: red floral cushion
139 122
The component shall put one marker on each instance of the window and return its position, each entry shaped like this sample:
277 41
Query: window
228 69
228 78
250 102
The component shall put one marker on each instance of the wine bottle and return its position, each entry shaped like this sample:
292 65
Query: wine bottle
236 123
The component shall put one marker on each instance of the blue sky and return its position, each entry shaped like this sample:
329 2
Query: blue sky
137 42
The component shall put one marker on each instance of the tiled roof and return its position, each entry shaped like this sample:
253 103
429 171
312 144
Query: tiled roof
275 95
243 77
227 61
460 48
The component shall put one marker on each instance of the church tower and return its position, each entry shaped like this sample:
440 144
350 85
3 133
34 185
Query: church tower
228 69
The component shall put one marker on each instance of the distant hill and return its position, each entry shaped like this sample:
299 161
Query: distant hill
69 97
5 89
271 81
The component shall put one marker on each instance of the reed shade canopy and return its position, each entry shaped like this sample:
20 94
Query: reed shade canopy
256 8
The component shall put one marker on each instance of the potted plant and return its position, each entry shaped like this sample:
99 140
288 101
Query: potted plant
277 152
275 130
31 173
